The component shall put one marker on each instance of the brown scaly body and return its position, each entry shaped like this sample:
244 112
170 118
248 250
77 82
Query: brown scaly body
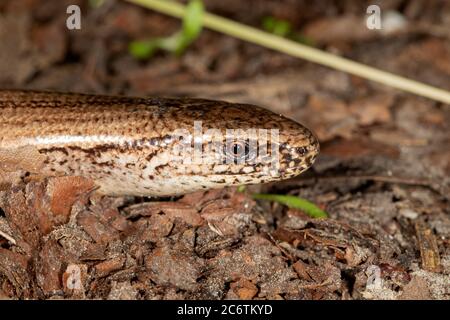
133 145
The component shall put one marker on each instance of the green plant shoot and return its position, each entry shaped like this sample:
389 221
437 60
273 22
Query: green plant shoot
179 41
293 202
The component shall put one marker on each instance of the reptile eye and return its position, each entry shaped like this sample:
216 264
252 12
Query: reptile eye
237 150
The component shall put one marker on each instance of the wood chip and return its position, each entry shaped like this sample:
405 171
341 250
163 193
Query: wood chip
429 251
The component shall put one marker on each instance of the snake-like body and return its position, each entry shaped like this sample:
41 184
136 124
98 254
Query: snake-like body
149 146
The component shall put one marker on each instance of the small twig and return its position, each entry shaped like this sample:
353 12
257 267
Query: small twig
398 180
429 251
442 190
326 282
406 181
7 237
215 229
275 242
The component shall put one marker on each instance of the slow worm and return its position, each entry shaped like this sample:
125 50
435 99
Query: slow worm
148 146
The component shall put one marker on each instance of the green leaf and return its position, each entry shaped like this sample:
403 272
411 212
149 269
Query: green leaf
193 20
276 26
302 39
283 28
241 188
177 42
96 3
293 202
192 25
268 23
143 49
171 43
